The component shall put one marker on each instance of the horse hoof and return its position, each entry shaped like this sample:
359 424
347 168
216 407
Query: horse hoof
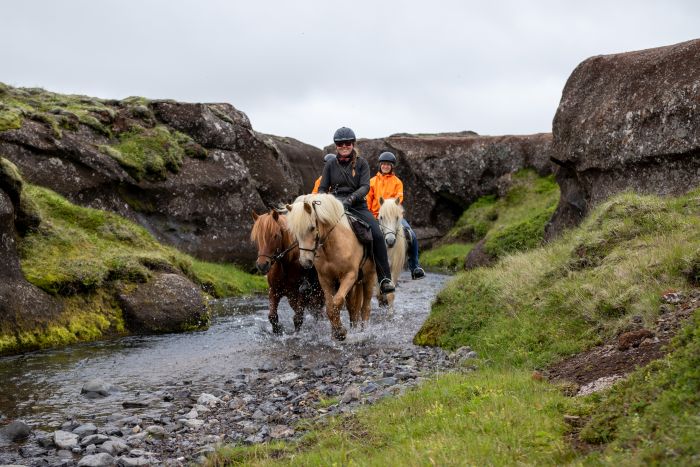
277 329
340 334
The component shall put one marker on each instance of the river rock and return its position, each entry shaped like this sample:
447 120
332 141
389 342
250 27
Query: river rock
15 431
65 440
85 429
94 439
353 393
208 400
125 461
627 121
97 460
167 303
96 388
113 447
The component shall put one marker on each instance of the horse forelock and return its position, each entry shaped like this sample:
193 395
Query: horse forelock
390 209
326 208
265 227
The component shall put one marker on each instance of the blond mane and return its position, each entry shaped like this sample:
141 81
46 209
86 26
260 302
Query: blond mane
326 208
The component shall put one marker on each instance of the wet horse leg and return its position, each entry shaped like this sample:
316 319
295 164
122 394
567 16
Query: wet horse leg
274 299
354 302
297 304
367 291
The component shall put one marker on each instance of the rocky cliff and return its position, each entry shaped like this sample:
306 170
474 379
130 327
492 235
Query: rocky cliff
444 173
189 173
628 121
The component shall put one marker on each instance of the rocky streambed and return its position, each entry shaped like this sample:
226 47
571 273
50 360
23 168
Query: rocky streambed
171 399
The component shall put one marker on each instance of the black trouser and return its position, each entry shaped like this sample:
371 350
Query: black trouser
381 260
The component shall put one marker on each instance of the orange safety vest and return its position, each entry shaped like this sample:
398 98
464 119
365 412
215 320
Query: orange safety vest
316 185
383 186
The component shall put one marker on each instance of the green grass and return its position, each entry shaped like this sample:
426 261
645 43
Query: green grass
446 258
489 417
81 256
512 223
527 312
653 417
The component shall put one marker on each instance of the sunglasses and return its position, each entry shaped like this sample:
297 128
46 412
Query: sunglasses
340 144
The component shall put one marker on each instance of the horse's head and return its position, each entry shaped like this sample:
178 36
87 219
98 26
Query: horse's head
390 216
269 235
310 219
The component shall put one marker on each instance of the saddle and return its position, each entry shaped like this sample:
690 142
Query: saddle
362 230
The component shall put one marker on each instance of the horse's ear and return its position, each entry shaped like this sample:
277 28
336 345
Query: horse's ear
399 201
255 215
275 215
289 207
381 200
307 207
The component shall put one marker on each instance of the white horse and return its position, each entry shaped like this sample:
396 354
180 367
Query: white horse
390 217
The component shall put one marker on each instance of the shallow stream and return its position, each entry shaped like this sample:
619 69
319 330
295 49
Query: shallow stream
43 389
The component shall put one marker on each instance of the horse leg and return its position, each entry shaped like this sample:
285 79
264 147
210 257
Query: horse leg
333 309
297 305
274 299
367 290
354 303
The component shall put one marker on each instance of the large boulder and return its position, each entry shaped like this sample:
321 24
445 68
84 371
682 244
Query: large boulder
204 207
444 173
628 121
167 303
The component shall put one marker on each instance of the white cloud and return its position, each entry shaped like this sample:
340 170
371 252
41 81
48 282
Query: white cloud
302 68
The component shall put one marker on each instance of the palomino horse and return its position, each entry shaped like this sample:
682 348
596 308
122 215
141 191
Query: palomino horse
326 241
278 258
390 217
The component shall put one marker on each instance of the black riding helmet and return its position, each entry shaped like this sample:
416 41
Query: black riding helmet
387 157
343 134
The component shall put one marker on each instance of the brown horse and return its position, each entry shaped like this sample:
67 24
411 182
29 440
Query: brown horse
326 241
278 258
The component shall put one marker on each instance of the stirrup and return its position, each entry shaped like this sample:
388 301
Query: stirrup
386 286
417 273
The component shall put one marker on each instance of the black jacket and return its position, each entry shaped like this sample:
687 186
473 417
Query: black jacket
338 179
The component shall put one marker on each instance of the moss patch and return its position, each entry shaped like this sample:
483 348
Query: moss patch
513 223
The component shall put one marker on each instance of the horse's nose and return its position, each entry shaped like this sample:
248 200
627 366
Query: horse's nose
263 267
306 263
390 240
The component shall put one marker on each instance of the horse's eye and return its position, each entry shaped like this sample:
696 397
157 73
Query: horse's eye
381 218
312 228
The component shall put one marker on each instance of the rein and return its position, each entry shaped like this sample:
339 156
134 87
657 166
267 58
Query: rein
318 242
279 256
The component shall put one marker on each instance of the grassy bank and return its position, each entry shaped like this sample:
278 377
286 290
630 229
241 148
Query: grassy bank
82 256
525 313
514 222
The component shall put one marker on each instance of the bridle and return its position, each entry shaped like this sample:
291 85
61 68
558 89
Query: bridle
318 241
386 231
280 255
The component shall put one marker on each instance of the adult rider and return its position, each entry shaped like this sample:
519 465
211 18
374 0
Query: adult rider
347 177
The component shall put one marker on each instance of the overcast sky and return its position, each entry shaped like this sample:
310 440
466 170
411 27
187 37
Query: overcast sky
303 68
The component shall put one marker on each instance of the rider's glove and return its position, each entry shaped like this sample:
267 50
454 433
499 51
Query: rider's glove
347 202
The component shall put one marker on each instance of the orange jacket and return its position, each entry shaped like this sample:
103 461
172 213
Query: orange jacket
383 186
316 185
